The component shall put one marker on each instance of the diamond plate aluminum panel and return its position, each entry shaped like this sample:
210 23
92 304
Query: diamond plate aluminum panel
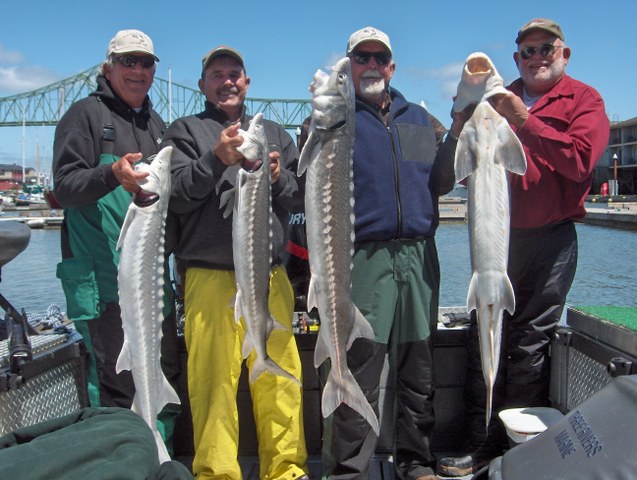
50 385
49 395
586 376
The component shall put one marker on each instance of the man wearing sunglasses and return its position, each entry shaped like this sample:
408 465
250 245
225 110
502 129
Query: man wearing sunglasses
97 142
401 167
564 129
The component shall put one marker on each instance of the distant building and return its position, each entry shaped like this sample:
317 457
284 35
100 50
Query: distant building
620 159
11 176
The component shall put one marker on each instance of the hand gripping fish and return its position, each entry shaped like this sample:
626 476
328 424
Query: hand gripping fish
329 216
141 287
252 249
486 149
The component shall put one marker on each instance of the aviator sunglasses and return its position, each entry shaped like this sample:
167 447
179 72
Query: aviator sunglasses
362 58
545 50
130 61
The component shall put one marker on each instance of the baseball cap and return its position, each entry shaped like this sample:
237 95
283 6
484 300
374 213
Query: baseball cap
129 41
545 24
368 34
217 52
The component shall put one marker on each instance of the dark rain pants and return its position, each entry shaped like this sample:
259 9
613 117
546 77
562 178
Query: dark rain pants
396 286
542 264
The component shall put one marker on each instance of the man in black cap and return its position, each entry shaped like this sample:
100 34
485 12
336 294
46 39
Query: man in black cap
564 129
205 163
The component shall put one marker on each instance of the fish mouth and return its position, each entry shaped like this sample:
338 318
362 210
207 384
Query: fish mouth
477 66
145 199
251 165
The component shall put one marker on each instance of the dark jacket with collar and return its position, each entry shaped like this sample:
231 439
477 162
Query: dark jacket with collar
199 179
401 166
78 177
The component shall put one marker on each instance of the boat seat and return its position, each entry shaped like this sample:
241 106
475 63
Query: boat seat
14 238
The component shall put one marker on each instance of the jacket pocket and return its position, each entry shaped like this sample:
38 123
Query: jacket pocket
417 142
80 287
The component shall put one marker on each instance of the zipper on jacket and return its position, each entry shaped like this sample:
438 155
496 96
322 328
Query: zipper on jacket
399 208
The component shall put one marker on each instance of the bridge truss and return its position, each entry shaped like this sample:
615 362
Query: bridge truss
46 105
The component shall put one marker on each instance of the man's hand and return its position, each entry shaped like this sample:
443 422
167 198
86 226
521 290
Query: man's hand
511 107
226 149
126 176
275 166
460 118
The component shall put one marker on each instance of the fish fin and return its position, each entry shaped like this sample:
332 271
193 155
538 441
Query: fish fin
135 407
274 323
312 295
472 294
236 302
168 395
162 451
130 216
124 359
508 295
226 201
321 352
346 390
465 157
248 345
510 153
360 328
310 151
268 365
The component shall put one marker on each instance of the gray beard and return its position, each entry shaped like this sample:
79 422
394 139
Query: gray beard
372 88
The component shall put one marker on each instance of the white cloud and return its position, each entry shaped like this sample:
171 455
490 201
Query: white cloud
7 56
15 79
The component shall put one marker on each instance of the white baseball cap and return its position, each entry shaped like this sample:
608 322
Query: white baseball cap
368 34
129 41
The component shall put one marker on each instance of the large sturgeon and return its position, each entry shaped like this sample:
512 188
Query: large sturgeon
329 215
252 248
141 287
486 149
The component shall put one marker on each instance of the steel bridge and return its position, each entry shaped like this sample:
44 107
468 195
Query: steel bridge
46 105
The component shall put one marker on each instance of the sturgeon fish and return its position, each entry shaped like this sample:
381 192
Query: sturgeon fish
329 216
487 148
141 287
252 248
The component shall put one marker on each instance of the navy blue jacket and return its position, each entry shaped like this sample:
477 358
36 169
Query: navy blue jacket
400 170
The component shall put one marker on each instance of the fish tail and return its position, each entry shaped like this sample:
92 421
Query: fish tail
162 451
346 390
489 405
268 365
361 328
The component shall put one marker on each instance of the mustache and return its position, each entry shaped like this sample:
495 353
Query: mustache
371 74
227 90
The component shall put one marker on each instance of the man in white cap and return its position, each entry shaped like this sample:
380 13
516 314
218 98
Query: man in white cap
563 126
401 166
97 142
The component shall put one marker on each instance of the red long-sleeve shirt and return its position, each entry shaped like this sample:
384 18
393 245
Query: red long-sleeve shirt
565 135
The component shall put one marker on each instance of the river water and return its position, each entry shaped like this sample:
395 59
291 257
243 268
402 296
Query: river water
606 274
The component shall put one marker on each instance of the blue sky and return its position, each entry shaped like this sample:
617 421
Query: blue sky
284 42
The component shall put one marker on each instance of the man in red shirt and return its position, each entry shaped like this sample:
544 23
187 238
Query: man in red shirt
564 129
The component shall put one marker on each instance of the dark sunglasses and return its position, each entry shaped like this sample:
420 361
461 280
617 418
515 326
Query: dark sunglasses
545 50
362 58
130 61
